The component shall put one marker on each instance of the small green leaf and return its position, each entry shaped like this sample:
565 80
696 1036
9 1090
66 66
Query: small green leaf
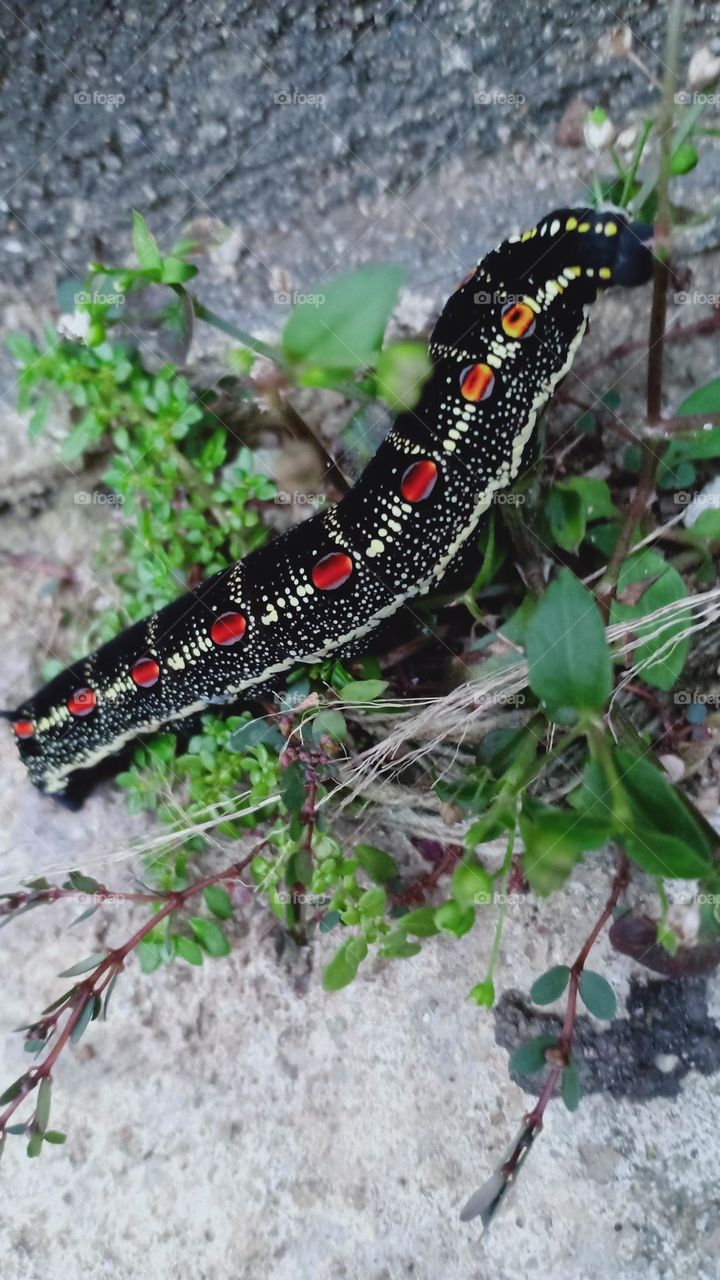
402 371
87 1012
567 652
483 993
329 724
55 1137
471 885
550 985
707 526
108 993
343 967
292 787
683 159
705 399
597 995
665 838
565 515
83 883
188 950
84 966
149 955
665 587
330 921
218 901
210 936
174 271
12 1091
341 325
252 734
530 1057
453 919
570 1086
35 1145
42 1109
50 1008
396 946
372 902
145 245
362 690
420 923
554 841
376 864
667 938
595 495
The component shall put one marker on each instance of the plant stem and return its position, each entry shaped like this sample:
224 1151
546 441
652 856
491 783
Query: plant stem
107 969
533 1121
632 171
658 318
201 312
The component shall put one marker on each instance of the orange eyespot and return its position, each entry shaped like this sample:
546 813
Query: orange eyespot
418 481
332 571
82 702
24 728
477 382
228 628
518 320
145 673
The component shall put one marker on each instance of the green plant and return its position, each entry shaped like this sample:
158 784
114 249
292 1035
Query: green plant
192 499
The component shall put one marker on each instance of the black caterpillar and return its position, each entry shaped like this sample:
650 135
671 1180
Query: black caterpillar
504 341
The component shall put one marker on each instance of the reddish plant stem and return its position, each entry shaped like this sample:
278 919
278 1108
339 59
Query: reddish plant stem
416 893
106 970
688 422
534 1119
47 896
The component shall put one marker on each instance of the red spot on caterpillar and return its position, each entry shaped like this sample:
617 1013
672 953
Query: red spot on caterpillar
228 628
517 320
82 702
477 382
418 481
24 728
330 572
145 673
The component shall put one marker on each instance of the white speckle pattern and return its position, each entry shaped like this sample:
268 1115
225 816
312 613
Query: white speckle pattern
392 549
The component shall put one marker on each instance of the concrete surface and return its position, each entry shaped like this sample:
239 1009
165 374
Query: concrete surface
233 1122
